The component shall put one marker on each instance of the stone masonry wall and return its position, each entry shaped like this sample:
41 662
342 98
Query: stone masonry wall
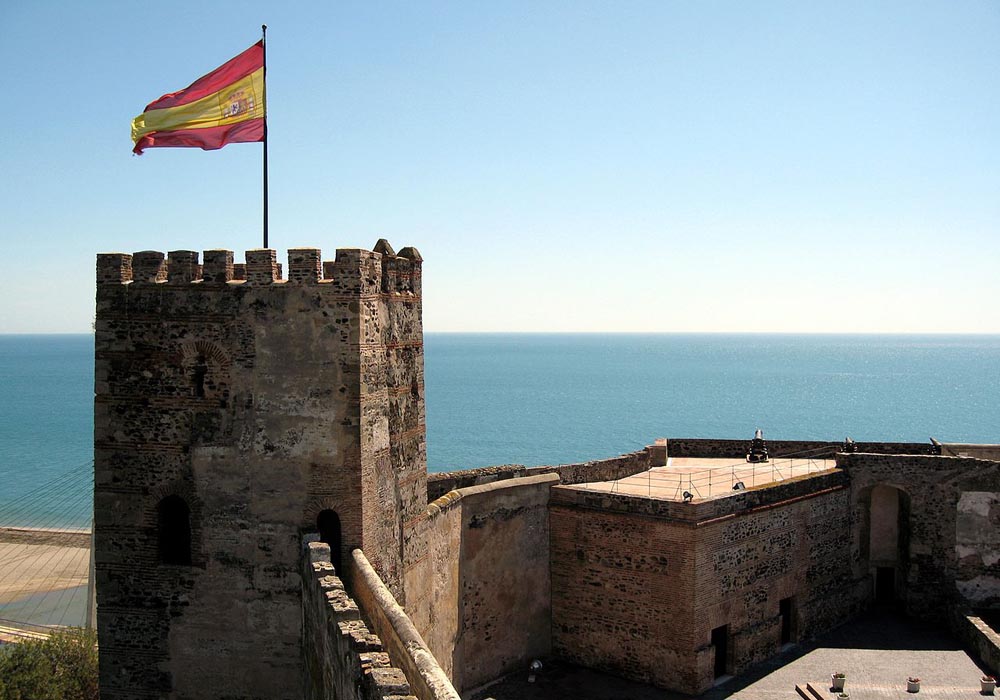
406 647
394 466
259 402
977 634
957 449
638 585
748 562
433 552
700 510
977 547
933 573
596 470
622 597
711 447
505 599
478 580
343 659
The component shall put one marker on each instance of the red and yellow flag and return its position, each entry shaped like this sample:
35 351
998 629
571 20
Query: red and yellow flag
225 106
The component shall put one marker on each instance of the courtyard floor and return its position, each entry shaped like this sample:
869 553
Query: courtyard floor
877 651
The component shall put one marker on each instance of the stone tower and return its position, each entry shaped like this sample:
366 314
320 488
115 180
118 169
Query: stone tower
235 411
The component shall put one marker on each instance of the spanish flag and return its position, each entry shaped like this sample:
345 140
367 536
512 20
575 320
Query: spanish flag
225 106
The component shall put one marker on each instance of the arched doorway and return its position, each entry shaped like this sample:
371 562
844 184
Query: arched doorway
328 524
888 542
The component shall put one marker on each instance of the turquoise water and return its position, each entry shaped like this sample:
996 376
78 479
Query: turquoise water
540 399
46 429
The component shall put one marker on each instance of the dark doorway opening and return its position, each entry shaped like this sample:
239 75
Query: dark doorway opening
885 585
328 524
198 375
173 531
786 608
720 640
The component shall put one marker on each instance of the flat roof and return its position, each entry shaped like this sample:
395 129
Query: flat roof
708 477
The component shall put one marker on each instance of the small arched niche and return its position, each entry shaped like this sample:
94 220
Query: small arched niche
328 525
205 366
173 531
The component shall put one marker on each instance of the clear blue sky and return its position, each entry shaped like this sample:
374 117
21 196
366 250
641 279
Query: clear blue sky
566 166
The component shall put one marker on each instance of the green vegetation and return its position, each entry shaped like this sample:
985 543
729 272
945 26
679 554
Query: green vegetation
62 667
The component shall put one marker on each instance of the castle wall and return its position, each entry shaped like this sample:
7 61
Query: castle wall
639 585
956 449
950 551
432 578
977 634
794 548
711 447
343 659
505 599
404 644
596 470
977 547
444 563
478 583
260 403
393 445
622 594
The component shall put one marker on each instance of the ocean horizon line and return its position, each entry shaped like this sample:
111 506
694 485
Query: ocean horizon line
48 334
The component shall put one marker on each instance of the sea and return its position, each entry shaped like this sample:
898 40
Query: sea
555 398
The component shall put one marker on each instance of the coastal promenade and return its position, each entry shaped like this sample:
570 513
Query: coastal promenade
18 632
44 575
45 541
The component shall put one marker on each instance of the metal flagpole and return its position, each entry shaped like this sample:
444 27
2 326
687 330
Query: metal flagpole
263 43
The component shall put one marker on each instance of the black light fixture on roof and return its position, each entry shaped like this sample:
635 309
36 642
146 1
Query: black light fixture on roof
739 486
688 496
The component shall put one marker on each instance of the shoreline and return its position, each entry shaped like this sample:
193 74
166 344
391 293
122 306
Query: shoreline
63 537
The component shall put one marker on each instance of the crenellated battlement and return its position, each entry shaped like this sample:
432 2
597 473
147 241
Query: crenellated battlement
381 269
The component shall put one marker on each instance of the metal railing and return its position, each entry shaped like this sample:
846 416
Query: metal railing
661 482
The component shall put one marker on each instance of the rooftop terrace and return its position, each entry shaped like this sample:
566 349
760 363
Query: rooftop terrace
709 477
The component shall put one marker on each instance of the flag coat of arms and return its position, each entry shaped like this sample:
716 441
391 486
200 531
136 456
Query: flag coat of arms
222 107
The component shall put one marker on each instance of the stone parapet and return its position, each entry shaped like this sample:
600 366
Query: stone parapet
978 636
343 659
582 472
404 644
737 449
701 510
